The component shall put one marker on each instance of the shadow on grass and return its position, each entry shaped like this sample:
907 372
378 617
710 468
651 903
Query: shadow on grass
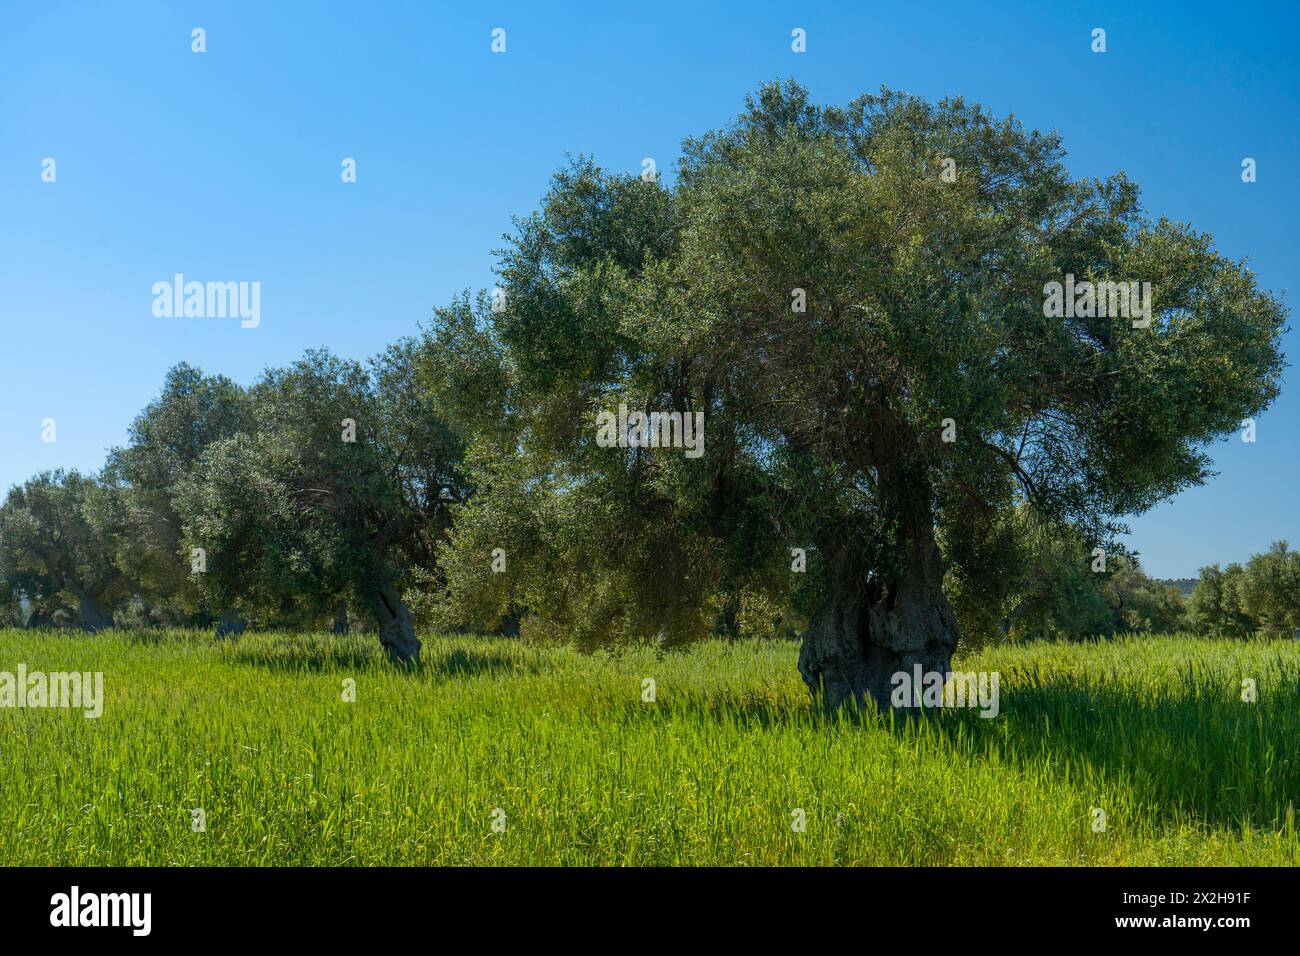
1190 748
297 653
296 660
463 663
1186 748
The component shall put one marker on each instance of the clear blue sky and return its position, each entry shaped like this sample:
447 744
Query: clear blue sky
225 166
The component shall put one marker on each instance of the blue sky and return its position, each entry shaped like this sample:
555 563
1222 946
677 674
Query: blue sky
225 166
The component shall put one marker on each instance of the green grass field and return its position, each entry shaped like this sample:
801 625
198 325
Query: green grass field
1151 730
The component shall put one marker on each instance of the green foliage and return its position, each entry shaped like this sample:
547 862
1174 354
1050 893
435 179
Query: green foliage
341 485
1050 585
11 602
475 441
1141 604
1262 595
167 439
924 303
1270 590
60 536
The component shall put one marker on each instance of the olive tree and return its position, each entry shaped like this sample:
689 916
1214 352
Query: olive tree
868 305
167 439
1270 589
63 530
339 488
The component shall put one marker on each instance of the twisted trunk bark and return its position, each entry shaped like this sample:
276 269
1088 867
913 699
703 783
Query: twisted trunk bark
94 616
396 628
873 628
39 620
230 624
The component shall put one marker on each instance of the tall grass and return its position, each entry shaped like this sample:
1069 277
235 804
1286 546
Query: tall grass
1152 731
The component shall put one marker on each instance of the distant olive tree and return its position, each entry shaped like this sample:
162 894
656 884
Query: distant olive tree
1261 595
167 439
338 489
60 534
1270 589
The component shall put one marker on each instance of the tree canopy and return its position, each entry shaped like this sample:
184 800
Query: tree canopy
871 344
871 373
340 487
62 531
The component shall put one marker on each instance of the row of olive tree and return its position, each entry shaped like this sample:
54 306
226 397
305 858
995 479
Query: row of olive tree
1052 587
316 489
1261 595
853 299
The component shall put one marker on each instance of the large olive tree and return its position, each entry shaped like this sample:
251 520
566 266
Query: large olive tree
860 300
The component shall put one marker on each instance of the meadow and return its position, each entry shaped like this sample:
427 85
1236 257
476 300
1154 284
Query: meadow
496 752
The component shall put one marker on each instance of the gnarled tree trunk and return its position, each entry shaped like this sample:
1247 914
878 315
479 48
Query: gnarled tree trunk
230 624
874 627
38 620
396 628
94 616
